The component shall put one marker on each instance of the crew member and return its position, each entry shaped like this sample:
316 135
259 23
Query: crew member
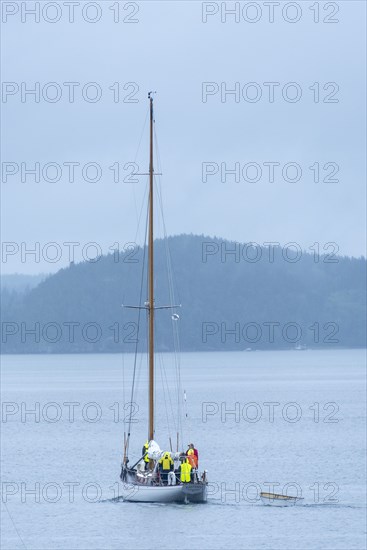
144 452
165 465
185 471
191 458
196 453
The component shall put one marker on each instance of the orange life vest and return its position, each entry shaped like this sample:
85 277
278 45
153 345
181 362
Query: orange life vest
192 458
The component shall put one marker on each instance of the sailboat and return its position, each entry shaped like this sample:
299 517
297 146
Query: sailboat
143 482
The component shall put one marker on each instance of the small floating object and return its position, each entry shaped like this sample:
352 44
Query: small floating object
274 499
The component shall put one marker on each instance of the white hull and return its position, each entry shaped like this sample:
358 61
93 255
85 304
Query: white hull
138 486
187 492
272 499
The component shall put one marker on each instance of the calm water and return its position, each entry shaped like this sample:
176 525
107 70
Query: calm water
294 419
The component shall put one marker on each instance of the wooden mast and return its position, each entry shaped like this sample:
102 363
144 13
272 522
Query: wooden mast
151 279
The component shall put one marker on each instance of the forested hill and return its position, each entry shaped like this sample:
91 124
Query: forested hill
233 297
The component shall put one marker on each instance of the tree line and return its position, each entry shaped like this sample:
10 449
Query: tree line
233 297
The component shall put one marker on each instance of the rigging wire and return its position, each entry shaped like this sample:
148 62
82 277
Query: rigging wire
163 380
137 336
136 156
171 286
181 397
138 217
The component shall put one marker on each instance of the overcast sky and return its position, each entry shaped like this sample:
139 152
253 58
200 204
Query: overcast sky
171 50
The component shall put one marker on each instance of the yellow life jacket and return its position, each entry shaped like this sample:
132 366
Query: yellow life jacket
146 447
185 471
166 461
